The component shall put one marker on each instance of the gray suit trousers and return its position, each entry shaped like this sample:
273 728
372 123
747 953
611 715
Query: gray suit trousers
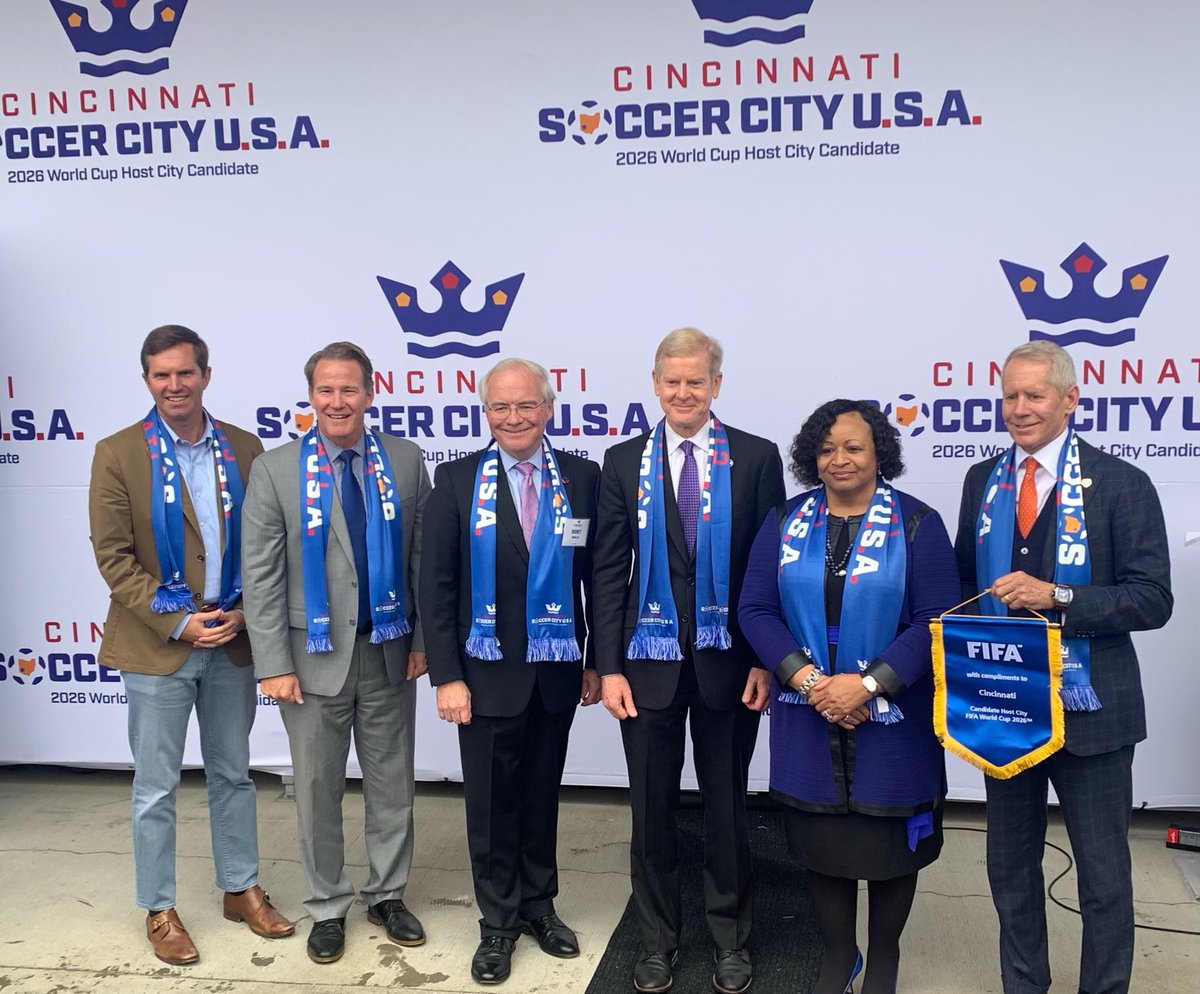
382 717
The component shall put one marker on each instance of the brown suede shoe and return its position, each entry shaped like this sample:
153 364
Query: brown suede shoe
255 909
169 938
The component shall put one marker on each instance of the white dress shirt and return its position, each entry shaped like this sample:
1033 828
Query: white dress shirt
1047 470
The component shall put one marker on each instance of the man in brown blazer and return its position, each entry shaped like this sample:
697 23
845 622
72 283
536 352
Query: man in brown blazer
165 513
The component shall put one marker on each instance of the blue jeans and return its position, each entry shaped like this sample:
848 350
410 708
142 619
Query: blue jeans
159 708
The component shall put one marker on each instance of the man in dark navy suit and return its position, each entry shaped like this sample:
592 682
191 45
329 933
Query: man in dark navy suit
1129 589
655 683
498 523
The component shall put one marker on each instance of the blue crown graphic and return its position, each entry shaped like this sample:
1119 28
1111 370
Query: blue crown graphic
452 318
1082 302
121 35
733 11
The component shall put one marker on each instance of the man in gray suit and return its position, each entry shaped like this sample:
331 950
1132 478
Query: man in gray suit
330 556
1058 526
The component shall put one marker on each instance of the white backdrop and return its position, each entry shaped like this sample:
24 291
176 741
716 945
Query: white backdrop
842 234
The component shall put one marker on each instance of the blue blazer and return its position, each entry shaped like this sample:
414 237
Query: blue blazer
895 769
1130 589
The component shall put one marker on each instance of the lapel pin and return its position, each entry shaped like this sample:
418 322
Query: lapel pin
1087 481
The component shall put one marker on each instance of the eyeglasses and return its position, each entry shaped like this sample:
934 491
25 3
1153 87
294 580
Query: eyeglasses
524 409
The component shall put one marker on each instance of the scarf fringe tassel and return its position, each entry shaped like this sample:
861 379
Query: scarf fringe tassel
553 651
891 716
1080 698
318 643
654 647
483 647
713 637
389 631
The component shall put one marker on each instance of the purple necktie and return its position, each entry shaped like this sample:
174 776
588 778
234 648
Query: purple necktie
529 501
688 497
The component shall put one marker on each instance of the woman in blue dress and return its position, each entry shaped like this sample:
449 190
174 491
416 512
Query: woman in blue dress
841 585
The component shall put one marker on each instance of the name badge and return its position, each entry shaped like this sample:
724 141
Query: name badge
575 531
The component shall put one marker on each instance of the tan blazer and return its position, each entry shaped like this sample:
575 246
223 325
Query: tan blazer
135 637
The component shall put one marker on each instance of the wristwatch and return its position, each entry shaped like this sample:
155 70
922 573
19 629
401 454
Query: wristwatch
1063 597
870 685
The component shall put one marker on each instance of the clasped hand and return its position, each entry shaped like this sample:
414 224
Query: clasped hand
212 629
841 699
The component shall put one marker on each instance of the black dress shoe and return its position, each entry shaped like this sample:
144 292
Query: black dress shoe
401 924
327 940
554 936
492 961
733 973
652 973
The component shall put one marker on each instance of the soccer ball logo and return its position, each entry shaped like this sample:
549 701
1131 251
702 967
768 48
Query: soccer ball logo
24 667
301 418
908 414
591 123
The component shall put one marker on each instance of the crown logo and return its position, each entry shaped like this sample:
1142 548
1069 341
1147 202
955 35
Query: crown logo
654 607
553 608
491 608
452 329
1082 304
733 15
149 34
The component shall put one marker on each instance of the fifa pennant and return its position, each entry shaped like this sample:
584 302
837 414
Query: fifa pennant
996 690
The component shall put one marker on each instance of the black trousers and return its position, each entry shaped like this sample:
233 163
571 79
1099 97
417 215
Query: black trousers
512 770
722 745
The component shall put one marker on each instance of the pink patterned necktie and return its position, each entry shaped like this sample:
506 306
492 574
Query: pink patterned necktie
529 501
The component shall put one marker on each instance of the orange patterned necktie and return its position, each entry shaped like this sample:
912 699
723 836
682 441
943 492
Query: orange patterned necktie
1027 508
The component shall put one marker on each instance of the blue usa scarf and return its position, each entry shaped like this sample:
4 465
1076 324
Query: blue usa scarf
1072 560
385 541
871 599
166 517
657 633
549 599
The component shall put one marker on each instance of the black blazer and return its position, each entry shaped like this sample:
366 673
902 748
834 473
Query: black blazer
499 688
1130 589
756 477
